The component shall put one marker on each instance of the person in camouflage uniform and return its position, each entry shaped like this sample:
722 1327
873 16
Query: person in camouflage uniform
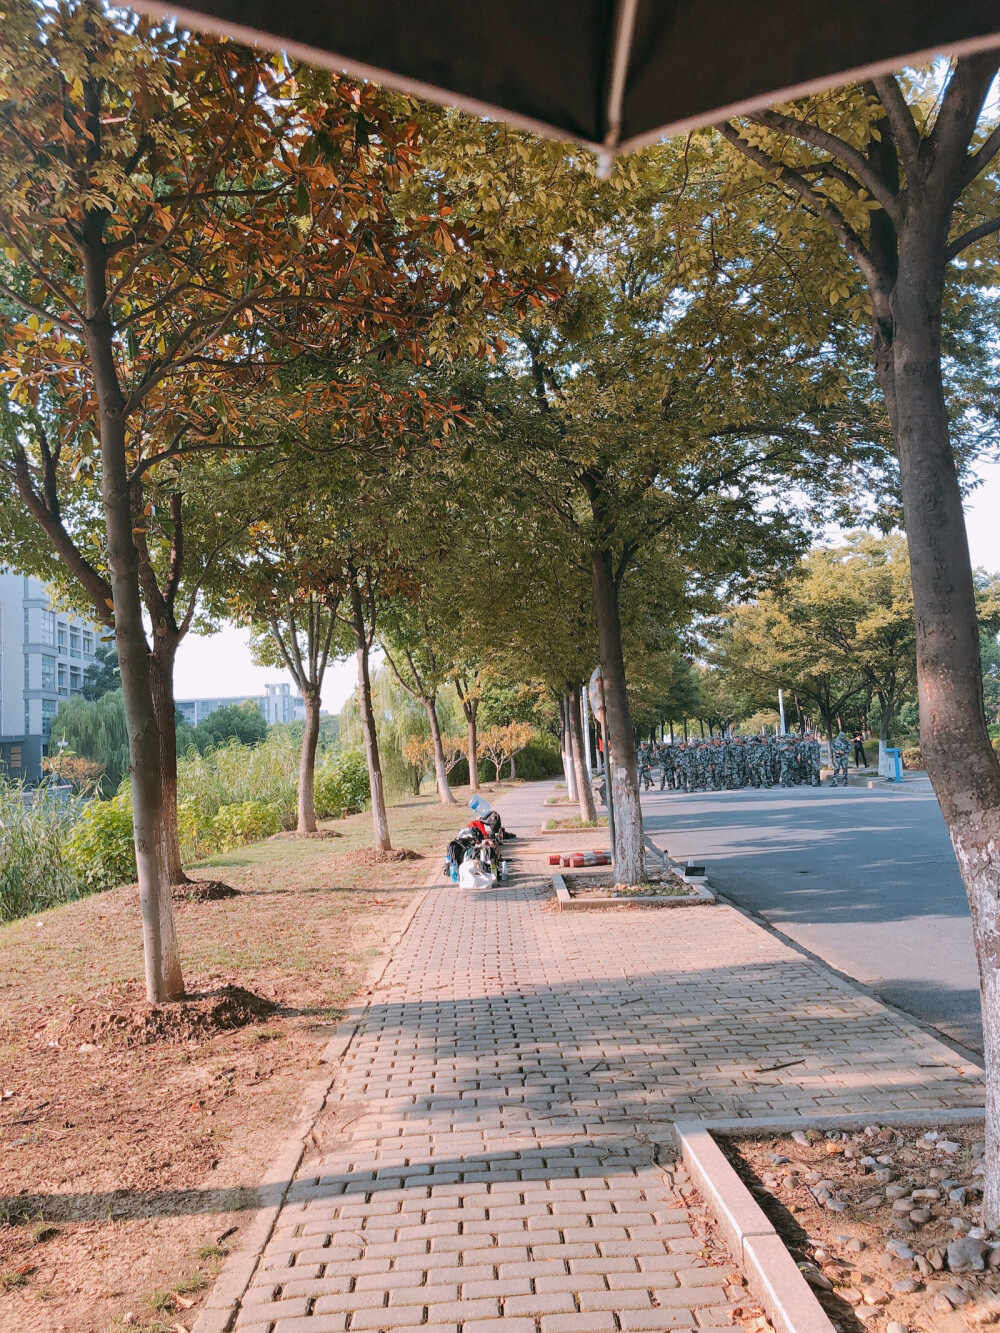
732 763
841 753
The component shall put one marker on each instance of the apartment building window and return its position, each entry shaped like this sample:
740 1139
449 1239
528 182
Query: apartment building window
62 637
62 676
48 673
48 713
75 680
88 643
48 628
74 640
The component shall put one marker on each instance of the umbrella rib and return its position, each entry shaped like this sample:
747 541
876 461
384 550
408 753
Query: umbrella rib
624 33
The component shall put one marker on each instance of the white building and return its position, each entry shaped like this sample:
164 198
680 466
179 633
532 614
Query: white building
277 704
43 654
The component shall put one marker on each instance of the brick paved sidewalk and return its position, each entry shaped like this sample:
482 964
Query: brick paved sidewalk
498 1142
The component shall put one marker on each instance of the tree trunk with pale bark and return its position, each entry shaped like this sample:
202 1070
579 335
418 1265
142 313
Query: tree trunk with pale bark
585 792
307 765
376 786
161 678
440 768
629 859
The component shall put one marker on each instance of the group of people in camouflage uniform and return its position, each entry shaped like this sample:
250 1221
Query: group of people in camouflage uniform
728 763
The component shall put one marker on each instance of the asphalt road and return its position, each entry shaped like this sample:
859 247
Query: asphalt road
864 878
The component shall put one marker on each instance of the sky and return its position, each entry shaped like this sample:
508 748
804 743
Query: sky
220 664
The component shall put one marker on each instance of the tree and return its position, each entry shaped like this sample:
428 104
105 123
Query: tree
902 174
102 675
685 382
175 213
302 632
414 661
767 646
503 744
233 722
95 729
467 685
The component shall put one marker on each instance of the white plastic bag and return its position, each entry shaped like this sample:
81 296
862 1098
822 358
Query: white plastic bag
471 875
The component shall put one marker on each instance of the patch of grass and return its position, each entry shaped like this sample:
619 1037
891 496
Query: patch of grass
196 1281
128 1323
42 1232
15 1277
576 822
212 1252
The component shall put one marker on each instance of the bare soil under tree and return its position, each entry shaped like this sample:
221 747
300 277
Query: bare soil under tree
130 1148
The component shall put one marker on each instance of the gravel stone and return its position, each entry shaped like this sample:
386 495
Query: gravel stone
955 1295
966 1256
899 1248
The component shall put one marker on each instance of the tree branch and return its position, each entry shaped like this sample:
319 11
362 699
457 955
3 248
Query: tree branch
838 148
825 208
987 228
901 122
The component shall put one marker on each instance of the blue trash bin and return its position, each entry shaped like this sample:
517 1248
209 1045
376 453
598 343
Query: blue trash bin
895 757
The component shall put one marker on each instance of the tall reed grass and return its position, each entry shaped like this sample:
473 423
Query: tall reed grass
34 870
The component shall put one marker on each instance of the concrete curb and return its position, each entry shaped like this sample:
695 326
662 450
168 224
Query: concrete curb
772 1274
223 1303
701 896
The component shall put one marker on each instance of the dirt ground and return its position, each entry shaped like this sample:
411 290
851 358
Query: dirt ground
842 1252
131 1141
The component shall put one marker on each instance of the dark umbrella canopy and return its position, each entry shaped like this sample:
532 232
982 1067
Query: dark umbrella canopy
612 75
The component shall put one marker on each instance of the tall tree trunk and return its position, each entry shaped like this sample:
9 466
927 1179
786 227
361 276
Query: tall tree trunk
307 765
883 735
585 792
161 681
470 707
440 770
569 772
513 767
473 751
164 979
628 850
376 786
954 740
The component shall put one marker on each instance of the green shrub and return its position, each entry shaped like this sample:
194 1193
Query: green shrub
249 821
912 757
342 784
233 773
34 869
100 847
540 758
